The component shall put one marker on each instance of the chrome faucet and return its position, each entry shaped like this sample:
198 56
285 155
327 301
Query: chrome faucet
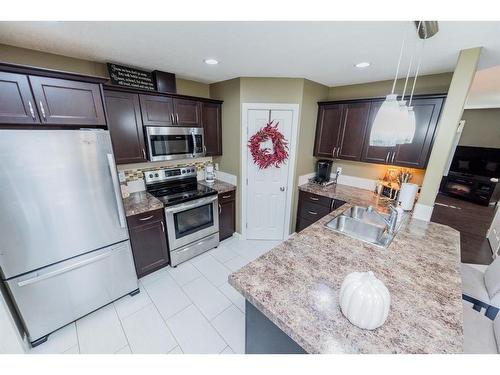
391 221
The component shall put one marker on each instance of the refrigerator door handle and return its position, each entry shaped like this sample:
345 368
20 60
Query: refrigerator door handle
116 188
48 275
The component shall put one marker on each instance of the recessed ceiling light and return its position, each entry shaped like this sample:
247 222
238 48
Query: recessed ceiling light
362 65
211 61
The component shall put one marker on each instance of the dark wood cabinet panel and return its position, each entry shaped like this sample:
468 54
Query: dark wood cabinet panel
416 154
354 123
125 127
187 112
328 130
227 215
65 102
212 128
17 105
149 241
302 224
157 110
375 154
312 207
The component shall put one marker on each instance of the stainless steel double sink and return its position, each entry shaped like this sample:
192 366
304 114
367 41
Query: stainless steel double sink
365 225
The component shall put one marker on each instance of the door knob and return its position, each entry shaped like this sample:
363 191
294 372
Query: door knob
282 188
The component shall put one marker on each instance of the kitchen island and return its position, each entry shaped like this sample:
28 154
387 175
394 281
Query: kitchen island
293 291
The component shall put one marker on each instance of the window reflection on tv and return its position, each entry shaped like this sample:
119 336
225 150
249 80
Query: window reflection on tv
478 161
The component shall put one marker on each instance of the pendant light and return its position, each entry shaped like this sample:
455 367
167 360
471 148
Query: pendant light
383 132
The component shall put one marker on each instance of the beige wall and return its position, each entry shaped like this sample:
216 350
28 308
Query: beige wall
17 55
229 162
448 122
482 128
271 90
430 84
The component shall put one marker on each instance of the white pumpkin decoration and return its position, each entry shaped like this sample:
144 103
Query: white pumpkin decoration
364 300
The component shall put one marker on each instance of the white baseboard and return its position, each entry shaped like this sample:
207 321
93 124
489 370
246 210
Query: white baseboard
422 212
227 177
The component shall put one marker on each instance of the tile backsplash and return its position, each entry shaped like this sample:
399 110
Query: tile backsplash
134 172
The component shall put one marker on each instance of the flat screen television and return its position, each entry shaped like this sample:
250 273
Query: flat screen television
477 161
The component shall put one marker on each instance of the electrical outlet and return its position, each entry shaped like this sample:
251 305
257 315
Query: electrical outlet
339 171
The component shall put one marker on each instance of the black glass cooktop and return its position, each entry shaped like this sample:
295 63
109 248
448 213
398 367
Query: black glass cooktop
173 194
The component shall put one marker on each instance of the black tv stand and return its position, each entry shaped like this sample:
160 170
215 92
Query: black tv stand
479 189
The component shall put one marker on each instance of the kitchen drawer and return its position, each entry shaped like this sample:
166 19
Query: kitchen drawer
302 224
56 295
312 211
227 196
317 199
145 218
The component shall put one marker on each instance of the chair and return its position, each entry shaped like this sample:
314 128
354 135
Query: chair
481 335
482 289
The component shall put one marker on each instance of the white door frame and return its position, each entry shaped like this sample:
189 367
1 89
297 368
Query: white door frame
292 144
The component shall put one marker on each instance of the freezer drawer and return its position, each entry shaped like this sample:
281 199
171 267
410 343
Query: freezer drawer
57 295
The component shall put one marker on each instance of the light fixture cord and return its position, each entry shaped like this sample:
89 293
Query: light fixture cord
411 63
417 71
399 63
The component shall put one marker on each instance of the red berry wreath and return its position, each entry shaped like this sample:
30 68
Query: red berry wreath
262 156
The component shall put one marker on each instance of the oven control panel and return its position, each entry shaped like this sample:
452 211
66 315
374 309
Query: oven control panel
167 174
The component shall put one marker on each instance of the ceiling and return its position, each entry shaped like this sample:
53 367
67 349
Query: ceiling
485 89
324 52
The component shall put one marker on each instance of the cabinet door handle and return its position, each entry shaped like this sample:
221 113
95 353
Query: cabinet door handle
43 110
226 196
338 151
31 110
162 226
312 212
393 155
387 157
333 152
314 199
144 153
177 118
172 118
220 209
146 218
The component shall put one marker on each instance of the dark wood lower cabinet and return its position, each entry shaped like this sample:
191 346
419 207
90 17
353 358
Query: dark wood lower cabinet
149 241
227 214
313 207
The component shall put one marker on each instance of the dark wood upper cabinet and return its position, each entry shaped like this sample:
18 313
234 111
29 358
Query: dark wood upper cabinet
65 102
157 110
328 129
16 101
125 126
416 154
354 123
212 128
149 241
187 112
375 154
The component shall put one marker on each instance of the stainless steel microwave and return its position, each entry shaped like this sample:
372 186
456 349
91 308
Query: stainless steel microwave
168 143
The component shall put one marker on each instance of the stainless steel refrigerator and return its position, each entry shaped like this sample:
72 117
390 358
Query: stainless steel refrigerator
64 245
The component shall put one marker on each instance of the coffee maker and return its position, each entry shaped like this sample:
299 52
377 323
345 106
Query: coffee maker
323 170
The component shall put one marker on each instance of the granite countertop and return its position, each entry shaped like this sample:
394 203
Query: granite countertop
351 194
220 186
296 286
140 202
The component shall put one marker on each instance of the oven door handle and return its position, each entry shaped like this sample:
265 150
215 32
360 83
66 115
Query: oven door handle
188 206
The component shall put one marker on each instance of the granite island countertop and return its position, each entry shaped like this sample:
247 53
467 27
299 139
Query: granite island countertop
296 286
220 186
140 202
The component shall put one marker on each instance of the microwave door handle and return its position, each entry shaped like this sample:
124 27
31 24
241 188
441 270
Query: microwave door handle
117 191
194 143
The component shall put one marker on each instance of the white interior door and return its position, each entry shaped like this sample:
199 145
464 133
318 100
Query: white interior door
267 188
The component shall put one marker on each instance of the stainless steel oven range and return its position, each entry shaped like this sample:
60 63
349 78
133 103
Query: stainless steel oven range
191 211
168 143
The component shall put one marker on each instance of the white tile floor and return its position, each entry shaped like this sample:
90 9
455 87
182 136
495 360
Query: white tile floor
188 309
